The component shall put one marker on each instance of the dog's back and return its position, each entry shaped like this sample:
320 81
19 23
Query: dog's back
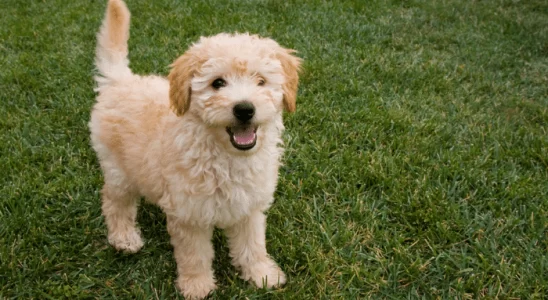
130 110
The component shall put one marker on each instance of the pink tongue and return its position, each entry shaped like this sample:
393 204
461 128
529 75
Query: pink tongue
244 137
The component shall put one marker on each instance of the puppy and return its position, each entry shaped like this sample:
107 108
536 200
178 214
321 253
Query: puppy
203 144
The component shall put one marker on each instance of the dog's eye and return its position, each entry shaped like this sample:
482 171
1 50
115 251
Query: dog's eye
261 82
218 83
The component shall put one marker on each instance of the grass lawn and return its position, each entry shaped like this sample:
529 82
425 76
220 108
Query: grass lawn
416 163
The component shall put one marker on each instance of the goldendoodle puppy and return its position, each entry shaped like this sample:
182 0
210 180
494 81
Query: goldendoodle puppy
203 144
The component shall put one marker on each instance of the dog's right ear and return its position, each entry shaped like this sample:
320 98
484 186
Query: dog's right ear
291 67
180 76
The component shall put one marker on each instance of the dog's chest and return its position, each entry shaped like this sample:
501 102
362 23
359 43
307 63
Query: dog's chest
223 193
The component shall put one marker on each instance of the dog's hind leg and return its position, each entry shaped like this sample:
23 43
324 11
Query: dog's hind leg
120 210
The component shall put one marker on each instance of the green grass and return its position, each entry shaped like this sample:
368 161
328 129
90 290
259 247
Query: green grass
416 164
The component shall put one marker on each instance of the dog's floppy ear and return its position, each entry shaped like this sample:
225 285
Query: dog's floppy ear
181 73
291 66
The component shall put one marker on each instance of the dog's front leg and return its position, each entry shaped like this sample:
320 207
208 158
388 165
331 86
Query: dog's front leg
193 252
248 251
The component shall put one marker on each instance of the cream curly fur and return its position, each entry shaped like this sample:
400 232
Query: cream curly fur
167 140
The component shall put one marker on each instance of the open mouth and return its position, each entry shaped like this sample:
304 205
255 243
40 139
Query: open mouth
242 137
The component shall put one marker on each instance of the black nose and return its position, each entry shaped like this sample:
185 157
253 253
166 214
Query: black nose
244 111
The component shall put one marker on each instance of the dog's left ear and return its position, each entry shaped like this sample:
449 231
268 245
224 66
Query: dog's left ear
291 66
181 73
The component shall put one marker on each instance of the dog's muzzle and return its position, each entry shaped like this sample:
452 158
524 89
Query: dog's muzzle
244 135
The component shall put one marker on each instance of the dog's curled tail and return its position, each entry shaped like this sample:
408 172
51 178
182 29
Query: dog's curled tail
111 55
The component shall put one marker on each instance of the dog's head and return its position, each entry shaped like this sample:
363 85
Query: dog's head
236 84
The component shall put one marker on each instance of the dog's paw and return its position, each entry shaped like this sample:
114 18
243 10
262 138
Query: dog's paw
129 241
265 274
196 287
